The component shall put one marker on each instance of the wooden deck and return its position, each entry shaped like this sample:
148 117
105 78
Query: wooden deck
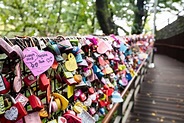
161 99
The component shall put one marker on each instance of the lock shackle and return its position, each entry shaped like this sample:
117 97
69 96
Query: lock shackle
12 98
30 91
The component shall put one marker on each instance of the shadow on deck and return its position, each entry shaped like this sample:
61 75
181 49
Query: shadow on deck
162 94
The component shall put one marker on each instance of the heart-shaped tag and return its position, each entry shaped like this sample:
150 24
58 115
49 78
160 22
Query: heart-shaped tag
11 114
37 61
103 47
62 119
71 64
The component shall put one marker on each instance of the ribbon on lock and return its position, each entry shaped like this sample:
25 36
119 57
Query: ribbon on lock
71 63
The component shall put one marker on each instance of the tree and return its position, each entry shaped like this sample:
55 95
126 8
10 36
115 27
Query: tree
72 17
46 17
135 12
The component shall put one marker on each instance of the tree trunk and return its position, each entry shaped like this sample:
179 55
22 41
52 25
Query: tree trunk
138 21
105 17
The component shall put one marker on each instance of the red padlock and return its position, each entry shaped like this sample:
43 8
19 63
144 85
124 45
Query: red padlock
14 113
4 85
35 102
91 90
29 80
44 82
82 97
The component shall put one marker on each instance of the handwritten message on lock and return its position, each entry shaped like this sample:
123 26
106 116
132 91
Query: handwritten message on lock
37 61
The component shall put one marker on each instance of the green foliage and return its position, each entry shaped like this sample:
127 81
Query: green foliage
66 17
46 17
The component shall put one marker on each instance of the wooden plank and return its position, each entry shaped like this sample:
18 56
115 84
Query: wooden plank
126 102
127 112
117 119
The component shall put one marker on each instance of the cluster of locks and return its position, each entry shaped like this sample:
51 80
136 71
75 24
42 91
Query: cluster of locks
66 79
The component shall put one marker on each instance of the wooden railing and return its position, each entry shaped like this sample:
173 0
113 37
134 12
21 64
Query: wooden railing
133 88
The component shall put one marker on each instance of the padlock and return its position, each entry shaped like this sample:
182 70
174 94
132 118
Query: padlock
74 42
69 81
4 85
17 83
35 102
71 117
29 79
44 82
22 99
14 113
62 119
32 118
8 49
82 97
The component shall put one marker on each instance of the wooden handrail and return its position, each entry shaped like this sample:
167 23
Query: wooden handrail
169 45
110 113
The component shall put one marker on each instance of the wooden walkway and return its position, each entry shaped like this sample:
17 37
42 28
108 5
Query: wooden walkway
161 99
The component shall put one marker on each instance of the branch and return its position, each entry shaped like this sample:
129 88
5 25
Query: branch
123 29
59 16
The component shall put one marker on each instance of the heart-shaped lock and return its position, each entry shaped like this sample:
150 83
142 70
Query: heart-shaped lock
71 63
103 47
37 61
16 112
62 119
12 113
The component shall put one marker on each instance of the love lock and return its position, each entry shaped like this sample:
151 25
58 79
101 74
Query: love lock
34 101
17 83
29 79
12 51
33 118
44 82
15 112
4 85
